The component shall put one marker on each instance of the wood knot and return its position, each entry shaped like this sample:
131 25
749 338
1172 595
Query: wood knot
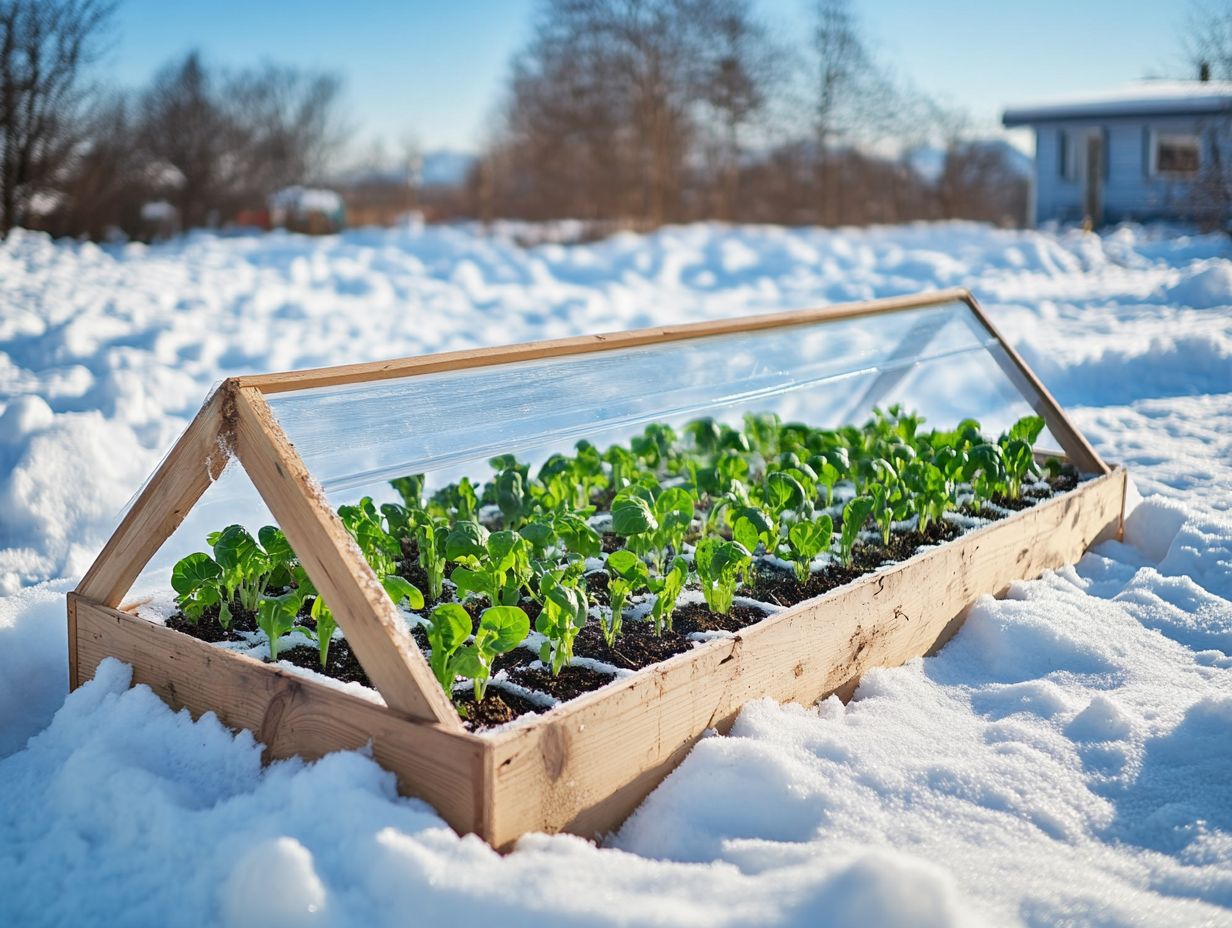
285 692
555 747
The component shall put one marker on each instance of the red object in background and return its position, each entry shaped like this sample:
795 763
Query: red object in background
254 218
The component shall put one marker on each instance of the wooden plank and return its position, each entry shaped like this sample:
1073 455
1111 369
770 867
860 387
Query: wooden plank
368 618
289 714
586 765
194 462
1075 445
584 344
73 677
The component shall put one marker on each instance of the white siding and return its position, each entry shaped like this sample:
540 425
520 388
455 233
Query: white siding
1128 190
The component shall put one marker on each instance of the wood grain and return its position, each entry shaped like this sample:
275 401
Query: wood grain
1075 445
368 618
194 462
583 344
289 714
585 766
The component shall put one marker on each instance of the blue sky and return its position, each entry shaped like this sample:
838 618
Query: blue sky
436 69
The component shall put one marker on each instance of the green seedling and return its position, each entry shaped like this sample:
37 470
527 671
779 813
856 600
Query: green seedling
431 535
497 569
411 489
623 466
889 506
721 566
667 590
247 568
762 430
562 617
985 471
927 491
806 540
855 514
784 493
633 514
627 574
752 527
447 628
501 629
197 581
276 617
1018 458
380 548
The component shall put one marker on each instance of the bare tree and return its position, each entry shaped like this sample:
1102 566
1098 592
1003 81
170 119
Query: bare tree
286 121
104 185
742 70
855 101
1206 39
1206 44
189 139
45 48
223 141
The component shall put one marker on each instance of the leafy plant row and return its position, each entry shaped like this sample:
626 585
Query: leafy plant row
692 508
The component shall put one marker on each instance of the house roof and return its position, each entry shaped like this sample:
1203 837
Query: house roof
1144 98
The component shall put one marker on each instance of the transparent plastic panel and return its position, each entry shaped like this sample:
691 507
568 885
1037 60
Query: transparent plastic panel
356 437
230 499
938 361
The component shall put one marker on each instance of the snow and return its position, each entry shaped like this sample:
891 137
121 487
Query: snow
1063 760
300 201
1137 98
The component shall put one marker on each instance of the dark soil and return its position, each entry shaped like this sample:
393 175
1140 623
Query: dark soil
596 587
637 646
572 681
773 584
208 629
497 708
695 617
342 664
511 660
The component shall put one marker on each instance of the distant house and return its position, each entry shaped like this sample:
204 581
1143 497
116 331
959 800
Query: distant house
306 209
1156 150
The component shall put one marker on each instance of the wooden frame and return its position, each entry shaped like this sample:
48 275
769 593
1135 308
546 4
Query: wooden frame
560 770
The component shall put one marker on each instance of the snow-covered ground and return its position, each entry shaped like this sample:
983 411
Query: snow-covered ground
1065 759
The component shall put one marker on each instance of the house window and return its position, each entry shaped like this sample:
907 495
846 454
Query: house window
1176 154
1068 154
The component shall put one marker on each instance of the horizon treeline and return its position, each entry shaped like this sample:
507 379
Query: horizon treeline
641 112
620 113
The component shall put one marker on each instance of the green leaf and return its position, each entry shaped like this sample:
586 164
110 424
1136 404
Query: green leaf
468 580
674 508
745 532
578 534
193 572
784 492
450 626
631 515
807 538
855 514
410 488
469 663
626 564
275 543
399 589
508 626
1026 429
541 535
235 549
466 539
